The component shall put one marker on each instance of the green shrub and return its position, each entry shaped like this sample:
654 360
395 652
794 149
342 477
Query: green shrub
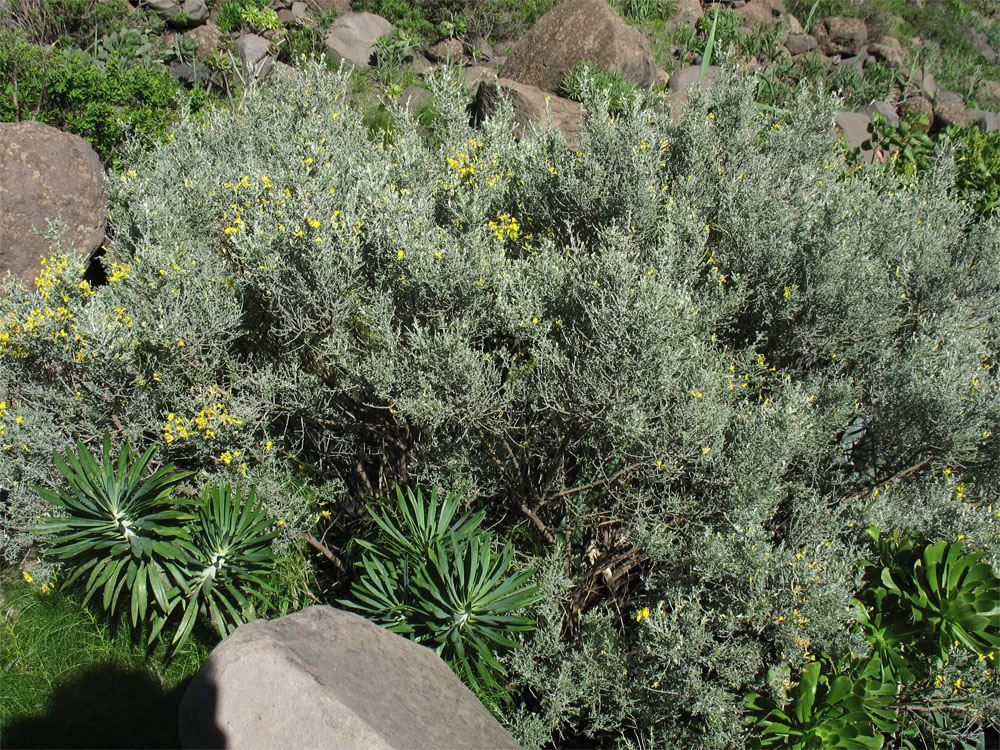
684 366
103 105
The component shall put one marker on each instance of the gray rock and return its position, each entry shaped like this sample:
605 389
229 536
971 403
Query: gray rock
687 14
855 63
532 106
990 91
757 12
685 78
299 10
352 38
252 50
949 108
184 72
326 678
982 44
984 119
918 107
209 38
854 126
196 10
412 97
926 83
799 44
574 31
476 73
445 50
46 174
479 48
884 108
792 24
841 36
887 50
419 63
341 6
286 16
165 7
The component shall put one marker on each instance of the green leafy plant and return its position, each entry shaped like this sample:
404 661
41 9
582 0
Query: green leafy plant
618 90
120 528
230 16
827 709
104 105
641 11
185 49
229 556
258 17
438 580
949 596
907 147
125 47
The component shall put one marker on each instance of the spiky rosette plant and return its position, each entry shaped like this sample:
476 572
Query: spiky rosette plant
229 555
438 580
124 531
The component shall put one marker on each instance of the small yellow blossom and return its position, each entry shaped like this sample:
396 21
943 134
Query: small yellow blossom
642 614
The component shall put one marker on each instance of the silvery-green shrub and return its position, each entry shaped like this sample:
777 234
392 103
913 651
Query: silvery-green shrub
683 367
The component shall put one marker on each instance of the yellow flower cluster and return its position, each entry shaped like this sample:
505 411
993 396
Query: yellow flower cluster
51 280
472 164
207 424
506 227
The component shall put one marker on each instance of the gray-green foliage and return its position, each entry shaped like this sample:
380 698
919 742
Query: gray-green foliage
642 356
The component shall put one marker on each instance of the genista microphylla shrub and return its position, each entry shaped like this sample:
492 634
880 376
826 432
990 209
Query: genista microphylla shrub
681 369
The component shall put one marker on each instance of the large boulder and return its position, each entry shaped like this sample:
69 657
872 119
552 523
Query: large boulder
574 31
531 105
326 678
46 174
352 38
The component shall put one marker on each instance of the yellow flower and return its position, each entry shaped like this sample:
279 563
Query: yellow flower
27 577
642 614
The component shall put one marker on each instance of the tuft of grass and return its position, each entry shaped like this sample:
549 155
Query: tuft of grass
69 679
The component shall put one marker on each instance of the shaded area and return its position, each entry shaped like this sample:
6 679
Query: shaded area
106 706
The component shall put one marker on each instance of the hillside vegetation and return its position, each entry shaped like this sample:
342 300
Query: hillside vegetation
723 410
